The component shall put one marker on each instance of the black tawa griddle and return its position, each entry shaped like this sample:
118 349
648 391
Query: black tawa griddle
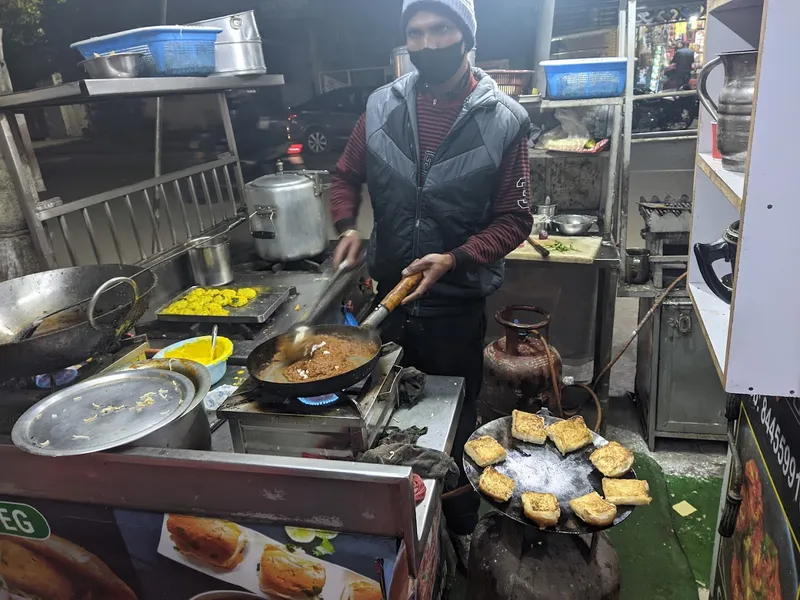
543 469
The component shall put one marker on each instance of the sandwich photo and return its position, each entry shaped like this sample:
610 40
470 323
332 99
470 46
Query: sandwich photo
542 509
57 569
528 427
289 575
362 589
612 460
627 492
485 451
592 509
570 435
496 485
215 542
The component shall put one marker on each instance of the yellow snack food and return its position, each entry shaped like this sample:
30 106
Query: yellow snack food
211 302
199 351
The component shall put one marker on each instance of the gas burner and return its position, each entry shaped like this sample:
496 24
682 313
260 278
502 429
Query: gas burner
338 426
324 400
49 381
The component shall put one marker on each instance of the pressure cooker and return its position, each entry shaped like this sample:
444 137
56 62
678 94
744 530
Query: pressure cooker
287 216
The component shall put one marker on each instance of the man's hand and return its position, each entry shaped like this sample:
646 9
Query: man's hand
349 248
433 267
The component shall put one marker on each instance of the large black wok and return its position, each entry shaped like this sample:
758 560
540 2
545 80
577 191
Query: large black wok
266 366
108 307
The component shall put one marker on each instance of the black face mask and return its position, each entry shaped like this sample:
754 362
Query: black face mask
439 65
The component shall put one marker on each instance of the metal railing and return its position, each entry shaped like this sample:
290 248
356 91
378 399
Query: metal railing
161 213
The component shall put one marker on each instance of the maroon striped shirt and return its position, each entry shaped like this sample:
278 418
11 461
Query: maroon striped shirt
511 209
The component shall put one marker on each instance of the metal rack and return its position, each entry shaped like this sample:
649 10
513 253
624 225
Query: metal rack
154 212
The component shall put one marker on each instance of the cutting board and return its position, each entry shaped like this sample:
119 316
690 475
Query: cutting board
586 249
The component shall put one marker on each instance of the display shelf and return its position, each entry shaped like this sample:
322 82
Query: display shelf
723 5
729 183
577 103
88 90
714 316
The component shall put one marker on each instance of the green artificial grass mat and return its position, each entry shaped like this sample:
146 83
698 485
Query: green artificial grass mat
696 532
653 565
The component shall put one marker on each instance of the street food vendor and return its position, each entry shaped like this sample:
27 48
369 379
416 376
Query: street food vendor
444 154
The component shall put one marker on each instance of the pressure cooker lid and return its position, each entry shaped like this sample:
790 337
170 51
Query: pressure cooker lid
731 234
280 181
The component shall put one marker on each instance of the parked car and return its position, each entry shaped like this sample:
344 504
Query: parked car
326 122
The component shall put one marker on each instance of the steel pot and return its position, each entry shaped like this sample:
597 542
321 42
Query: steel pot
287 216
210 262
723 249
191 431
637 266
238 49
734 113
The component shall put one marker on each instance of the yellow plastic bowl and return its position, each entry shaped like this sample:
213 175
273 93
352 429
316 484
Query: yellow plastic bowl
216 367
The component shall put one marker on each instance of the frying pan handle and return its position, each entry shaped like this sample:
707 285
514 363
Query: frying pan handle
392 300
113 282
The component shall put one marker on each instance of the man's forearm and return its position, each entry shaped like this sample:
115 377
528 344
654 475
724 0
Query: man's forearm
351 173
505 234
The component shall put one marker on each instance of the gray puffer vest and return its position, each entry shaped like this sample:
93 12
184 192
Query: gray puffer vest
454 202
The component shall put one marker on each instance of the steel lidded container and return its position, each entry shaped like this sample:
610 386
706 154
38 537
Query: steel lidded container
287 216
238 48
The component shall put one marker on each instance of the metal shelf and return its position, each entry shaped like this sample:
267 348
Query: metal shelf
90 90
577 103
647 290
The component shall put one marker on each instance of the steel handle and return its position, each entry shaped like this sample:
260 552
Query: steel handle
392 300
113 282
702 80
260 234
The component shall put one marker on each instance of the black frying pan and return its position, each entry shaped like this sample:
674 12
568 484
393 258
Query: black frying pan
542 469
268 371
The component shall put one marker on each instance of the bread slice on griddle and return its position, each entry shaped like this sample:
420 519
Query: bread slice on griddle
496 485
542 509
570 434
612 460
528 427
628 492
592 509
485 451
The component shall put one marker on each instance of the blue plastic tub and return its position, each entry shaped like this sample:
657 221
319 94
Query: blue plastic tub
585 77
167 51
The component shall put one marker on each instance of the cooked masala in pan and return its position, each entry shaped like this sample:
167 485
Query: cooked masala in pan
328 356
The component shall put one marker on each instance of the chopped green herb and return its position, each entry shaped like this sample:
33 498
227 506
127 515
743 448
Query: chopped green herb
291 547
324 549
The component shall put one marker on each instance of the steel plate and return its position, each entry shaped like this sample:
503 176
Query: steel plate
543 469
104 412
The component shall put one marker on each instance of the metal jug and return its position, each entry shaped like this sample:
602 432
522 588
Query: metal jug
734 113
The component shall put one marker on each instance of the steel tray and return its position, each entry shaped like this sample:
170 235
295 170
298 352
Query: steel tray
257 311
543 469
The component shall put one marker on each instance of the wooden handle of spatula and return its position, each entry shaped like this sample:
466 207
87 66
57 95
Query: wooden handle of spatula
401 291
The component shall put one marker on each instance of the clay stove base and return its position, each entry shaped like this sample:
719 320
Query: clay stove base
510 561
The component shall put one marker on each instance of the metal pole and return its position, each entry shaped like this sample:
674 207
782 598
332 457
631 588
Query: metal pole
227 124
612 178
630 47
543 38
162 19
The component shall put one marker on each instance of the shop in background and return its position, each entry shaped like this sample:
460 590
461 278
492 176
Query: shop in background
670 46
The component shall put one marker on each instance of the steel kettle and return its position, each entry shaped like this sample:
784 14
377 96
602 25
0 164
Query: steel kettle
734 113
723 249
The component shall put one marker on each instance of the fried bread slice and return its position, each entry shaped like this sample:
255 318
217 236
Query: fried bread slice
592 509
496 485
612 460
485 451
542 509
528 427
628 492
570 434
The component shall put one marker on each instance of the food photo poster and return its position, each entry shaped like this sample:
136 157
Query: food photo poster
62 551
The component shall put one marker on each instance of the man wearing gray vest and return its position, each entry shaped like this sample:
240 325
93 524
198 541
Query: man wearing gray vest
445 157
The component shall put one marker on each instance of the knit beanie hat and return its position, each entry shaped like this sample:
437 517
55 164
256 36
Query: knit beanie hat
461 11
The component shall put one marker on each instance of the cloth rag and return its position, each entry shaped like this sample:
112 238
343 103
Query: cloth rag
411 385
427 463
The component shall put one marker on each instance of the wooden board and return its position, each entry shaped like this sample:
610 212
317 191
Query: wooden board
586 249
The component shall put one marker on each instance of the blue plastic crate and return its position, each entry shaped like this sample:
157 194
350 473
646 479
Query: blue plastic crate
585 77
167 51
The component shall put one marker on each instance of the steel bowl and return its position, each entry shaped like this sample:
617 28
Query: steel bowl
125 65
572 224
